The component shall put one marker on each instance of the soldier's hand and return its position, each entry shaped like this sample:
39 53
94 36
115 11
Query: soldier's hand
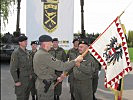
77 64
79 59
18 84
61 78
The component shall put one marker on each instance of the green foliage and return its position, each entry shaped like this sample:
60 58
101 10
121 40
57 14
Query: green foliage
5 9
130 39
131 53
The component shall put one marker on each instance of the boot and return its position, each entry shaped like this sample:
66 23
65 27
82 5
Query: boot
55 98
33 97
72 97
58 98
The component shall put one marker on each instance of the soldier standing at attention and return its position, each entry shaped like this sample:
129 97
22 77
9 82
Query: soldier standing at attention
34 77
45 65
58 53
83 75
71 55
21 69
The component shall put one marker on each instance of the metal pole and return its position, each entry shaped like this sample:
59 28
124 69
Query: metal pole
18 16
82 19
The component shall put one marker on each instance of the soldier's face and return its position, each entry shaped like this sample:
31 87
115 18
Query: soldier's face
82 48
76 44
34 46
23 43
46 45
55 44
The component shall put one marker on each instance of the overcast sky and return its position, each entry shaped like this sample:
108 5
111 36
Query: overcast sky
98 14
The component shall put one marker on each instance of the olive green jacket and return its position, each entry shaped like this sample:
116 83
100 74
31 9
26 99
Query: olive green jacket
59 54
45 65
86 69
20 64
71 55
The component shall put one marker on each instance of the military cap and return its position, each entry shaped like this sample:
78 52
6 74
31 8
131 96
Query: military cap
55 39
22 38
83 41
75 40
45 38
34 42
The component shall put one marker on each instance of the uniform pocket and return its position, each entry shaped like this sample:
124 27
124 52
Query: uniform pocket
19 90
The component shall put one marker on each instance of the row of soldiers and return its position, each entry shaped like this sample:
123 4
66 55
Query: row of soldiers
48 65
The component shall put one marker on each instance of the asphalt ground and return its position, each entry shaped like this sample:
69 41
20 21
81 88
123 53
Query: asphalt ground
7 86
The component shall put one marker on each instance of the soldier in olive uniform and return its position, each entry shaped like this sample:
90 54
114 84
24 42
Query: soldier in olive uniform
72 54
58 53
83 89
21 69
32 53
45 65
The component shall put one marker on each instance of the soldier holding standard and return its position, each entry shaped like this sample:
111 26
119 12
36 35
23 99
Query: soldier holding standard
83 75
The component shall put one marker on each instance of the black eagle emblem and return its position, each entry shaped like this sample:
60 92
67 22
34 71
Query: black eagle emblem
113 51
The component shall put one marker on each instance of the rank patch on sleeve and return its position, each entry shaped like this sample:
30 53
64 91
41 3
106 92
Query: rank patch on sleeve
54 59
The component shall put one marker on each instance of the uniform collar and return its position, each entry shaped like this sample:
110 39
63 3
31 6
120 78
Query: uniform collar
22 50
43 49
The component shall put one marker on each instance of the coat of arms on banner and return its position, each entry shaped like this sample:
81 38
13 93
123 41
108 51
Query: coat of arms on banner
112 54
113 51
50 12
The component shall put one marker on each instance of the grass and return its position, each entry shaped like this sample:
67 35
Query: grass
131 53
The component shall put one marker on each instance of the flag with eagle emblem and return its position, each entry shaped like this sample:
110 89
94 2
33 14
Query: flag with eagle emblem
110 49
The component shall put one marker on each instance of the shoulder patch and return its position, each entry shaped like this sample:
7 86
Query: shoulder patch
12 60
53 58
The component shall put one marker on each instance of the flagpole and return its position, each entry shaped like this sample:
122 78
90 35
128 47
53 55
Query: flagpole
121 14
118 93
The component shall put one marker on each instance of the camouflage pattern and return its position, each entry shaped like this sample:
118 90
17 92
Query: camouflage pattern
59 54
44 66
20 59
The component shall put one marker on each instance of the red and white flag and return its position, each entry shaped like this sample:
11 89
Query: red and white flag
110 49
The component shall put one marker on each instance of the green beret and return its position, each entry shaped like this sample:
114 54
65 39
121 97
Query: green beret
83 41
34 42
22 38
55 39
45 38
75 40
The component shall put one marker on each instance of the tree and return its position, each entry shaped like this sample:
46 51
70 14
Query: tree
5 9
130 38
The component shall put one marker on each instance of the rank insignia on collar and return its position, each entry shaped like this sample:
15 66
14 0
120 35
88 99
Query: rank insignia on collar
50 12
